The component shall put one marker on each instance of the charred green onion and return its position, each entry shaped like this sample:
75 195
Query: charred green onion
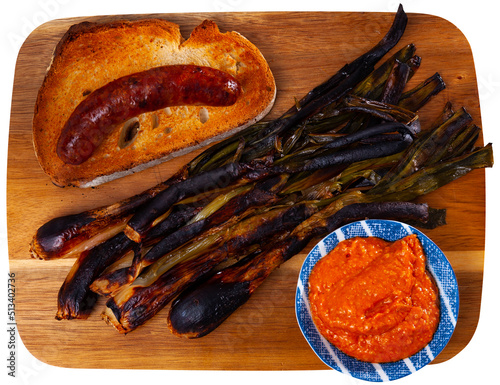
132 306
349 149
200 309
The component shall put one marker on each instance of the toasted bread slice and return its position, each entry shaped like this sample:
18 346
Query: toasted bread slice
91 55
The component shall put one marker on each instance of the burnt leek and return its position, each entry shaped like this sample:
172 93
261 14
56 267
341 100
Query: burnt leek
202 308
153 289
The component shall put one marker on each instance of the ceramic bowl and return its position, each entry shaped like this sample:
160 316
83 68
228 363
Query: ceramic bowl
438 266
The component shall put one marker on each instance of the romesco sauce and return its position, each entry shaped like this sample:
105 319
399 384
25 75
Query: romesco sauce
374 299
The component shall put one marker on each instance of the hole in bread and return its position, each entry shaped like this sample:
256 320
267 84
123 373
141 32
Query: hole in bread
203 115
129 132
155 121
239 65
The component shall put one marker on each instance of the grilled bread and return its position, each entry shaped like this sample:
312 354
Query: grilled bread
92 55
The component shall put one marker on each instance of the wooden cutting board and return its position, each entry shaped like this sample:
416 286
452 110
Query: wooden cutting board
303 49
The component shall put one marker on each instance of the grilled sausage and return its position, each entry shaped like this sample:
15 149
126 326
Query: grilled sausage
129 96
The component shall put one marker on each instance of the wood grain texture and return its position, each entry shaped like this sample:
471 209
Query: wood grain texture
303 49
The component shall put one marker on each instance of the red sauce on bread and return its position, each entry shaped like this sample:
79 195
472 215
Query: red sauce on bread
374 299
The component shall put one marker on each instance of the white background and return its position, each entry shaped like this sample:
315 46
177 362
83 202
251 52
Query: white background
477 363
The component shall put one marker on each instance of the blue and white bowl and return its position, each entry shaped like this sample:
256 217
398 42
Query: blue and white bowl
437 265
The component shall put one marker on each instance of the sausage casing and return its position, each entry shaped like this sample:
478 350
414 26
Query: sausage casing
129 96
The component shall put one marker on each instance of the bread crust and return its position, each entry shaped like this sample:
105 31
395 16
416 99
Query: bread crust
90 55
